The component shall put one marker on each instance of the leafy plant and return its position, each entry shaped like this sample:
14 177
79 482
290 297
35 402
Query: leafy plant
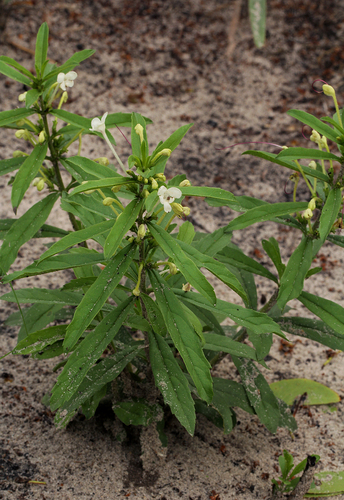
130 326
288 482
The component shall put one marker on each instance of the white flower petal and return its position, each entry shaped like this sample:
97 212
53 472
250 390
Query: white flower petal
174 192
60 77
167 207
71 75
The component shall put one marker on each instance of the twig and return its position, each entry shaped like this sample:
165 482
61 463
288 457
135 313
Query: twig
306 480
232 29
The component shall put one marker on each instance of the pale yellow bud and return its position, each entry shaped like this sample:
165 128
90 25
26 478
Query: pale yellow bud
136 292
102 161
40 185
139 131
145 181
115 189
178 209
284 147
163 152
185 183
141 231
307 214
88 191
21 134
173 268
22 97
328 90
108 201
18 154
323 142
312 164
160 177
315 137
155 185
186 287
312 204
146 193
41 137
186 211
64 97
36 181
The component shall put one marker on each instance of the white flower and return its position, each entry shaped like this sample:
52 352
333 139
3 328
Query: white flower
66 80
98 125
167 196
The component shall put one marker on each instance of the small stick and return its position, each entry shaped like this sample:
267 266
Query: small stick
306 480
232 29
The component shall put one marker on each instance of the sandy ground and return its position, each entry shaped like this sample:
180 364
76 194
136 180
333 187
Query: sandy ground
167 60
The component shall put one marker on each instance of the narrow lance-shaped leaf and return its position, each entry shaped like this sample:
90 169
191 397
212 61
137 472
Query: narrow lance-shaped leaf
122 226
11 72
10 164
330 312
13 115
218 194
23 230
257 10
186 266
41 47
43 296
97 295
88 352
70 64
263 213
38 340
314 123
171 381
26 173
328 217
308 153
219 343
15 64
294 275
183 335
77 237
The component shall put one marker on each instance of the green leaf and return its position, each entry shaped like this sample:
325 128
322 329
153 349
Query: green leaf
37 341
92 167
263 213
11 72
37 317
31 97
43 296
183 335
209 412
286 462
313 329
26 173
154 314
253 320
186 266
87 353
91 404
333 122
102 183
219 195
272 249
100 374
329 483
330 312
257 10
314 123
289 164
328 216
23 230
171 381
16 65
41 48
228 393
74 119
294 275
317 394
137 119
259 394
314 154
97 295
10 164
52 264
9 117
75 238
70 64
137 412
217 268
215 342
186 232
212 243
235 257
336 239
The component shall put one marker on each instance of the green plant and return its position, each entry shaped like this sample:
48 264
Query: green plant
288 482
130 328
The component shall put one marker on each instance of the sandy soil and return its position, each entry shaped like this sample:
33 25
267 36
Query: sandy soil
168 60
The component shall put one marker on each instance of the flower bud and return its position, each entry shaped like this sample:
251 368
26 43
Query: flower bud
141 231
173 268
160 177
40 185
145 193
107 202
185 183
186 287
186 211
41 137
64 97
145 181
178 209
139 130
164 152
315 137
102 161
136 292
115 189
22 97
20 123
155 185
284 148
131 239
328 90
307 214
312 204
312 164
36 181
18 154
21 134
